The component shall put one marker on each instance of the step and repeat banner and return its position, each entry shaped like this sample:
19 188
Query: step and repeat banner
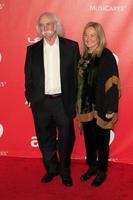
17 31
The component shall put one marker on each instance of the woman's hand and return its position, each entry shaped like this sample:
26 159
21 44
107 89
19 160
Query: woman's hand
109 115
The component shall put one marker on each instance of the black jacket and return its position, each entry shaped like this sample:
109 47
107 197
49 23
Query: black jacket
35 75
106 90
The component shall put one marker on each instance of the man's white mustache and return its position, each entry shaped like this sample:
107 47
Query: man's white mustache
47 32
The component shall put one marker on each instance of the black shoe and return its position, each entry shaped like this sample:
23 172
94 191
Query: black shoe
90 172
67 181
48 177
100 178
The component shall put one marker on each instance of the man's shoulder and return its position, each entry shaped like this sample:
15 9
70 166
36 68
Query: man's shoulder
36 44
68 41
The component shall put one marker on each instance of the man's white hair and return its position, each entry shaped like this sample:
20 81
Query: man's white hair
56 19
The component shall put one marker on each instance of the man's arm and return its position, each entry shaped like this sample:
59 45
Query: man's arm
28 76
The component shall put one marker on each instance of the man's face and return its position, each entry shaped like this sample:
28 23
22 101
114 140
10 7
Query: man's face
47 26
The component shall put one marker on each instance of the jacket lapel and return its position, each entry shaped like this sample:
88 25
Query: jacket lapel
40 55
40 62
62 56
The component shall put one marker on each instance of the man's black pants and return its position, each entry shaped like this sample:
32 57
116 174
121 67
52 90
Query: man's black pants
55 134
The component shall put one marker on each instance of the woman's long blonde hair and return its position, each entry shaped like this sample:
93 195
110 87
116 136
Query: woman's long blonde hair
101 38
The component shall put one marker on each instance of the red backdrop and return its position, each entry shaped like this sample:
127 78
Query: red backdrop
17 22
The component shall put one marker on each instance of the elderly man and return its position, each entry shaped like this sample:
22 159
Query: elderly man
50 89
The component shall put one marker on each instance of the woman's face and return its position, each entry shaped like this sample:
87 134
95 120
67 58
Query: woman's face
91 38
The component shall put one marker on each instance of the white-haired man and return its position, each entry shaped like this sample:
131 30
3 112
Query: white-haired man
50 89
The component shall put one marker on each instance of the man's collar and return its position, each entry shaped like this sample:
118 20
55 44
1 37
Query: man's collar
56 42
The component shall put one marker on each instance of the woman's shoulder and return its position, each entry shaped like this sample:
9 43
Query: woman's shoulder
107 52
108 56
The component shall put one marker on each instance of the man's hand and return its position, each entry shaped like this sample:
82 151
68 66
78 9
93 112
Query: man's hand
27 103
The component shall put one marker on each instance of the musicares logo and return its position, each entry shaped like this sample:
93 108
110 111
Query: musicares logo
1 130
107 8
30 40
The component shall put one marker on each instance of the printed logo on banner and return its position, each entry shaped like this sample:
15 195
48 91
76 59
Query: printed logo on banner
0 57
107 8
1 6
30 40
1 130
3 153
34 142
2 84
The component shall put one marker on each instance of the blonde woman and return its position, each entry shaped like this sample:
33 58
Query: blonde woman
97 101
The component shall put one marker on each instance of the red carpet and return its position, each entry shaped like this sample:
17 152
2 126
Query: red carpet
20 180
